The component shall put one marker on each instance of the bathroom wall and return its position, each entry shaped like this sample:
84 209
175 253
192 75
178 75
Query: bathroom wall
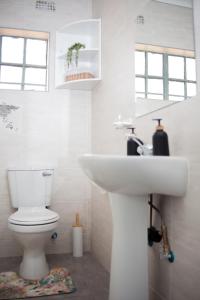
166 25
50 129
180 280
113 97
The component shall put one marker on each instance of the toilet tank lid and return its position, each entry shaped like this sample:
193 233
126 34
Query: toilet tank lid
29 168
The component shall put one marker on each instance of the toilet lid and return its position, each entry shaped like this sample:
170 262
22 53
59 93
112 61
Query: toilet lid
33 216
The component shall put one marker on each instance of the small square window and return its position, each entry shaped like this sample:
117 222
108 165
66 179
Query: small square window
12 50
155 64
155 86
191 69
176 67
139 62
191 89
36 52
176 88
11 74
23 59
164 75
35 76
140 85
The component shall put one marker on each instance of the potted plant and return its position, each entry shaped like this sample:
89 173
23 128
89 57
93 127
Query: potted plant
74 49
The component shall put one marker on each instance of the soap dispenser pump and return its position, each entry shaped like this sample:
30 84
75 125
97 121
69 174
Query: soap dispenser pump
132 145
160 140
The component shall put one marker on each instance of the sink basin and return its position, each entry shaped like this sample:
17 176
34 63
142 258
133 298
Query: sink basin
129 181
137 175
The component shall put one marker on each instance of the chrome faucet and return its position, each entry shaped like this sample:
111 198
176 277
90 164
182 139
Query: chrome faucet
143 149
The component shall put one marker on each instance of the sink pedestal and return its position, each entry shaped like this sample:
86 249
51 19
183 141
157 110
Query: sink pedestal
129 265
129 180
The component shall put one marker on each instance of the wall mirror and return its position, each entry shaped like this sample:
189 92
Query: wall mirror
165 68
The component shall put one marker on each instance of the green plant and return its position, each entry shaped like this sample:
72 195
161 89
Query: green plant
73 49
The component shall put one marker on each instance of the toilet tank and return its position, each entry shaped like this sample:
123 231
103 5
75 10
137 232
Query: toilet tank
30 187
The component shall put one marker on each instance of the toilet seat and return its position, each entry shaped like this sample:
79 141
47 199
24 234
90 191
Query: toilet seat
32 229
33 216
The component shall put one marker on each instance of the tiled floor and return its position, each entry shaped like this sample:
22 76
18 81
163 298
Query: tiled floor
91 280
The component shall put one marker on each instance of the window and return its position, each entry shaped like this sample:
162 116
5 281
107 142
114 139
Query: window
164 73
23 59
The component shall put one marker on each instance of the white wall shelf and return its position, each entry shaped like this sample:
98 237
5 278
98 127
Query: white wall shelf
81 84
87 32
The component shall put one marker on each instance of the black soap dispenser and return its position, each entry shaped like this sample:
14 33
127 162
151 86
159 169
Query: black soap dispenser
132 145
160 140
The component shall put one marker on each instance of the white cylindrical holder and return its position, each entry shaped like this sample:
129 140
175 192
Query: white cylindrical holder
77 241
77 236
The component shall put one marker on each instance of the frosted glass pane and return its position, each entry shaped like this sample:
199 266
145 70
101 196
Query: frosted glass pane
139 84
155 96
34 88
12 50
155 86
11 74
36 52
191 69
140 95
35 75
176 98
4 86
176 67
155 64
176 88
139 62
191 89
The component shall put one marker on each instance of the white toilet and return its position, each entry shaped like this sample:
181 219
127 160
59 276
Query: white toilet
32 224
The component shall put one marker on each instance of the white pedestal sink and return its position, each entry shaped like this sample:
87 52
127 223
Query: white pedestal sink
129 180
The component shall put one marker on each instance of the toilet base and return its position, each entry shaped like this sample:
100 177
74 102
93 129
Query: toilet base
34 265
33 240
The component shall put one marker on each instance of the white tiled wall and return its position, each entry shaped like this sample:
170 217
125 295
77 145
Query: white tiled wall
53 129
166 26
112 97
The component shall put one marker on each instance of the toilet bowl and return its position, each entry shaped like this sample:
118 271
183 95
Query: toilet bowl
32 226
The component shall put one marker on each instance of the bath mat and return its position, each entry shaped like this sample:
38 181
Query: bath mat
58 281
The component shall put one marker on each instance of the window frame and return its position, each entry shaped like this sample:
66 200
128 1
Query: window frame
165 75
24 65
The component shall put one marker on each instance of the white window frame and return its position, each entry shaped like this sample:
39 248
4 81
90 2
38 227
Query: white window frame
165 52
26 35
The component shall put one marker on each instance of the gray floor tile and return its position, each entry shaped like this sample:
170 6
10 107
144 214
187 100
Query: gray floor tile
90 278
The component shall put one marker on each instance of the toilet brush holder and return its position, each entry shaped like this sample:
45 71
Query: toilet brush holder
77 237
